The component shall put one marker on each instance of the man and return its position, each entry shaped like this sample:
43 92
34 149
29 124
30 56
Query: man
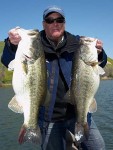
59 47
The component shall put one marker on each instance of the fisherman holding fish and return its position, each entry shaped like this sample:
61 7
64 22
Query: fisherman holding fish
59 118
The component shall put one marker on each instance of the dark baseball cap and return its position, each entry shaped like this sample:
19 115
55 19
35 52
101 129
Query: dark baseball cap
51 9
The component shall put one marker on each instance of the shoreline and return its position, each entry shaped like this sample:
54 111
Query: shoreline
5 85
106 78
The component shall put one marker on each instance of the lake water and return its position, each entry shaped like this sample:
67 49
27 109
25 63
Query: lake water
11 122
104 115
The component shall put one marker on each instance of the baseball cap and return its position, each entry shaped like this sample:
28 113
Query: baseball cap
51 9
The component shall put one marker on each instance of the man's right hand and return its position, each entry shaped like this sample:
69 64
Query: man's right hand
14 37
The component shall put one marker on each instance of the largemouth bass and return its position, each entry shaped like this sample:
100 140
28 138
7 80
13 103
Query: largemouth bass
84 84
29 83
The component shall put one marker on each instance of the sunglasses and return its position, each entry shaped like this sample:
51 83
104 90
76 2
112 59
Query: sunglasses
58 20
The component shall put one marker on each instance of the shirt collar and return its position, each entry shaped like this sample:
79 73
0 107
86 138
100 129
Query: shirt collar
53 44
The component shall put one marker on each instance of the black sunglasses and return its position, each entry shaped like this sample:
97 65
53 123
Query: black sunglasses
51 20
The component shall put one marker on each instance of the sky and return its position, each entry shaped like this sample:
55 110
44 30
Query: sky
93 18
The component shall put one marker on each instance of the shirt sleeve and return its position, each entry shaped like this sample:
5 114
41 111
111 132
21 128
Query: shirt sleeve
102 57
8 53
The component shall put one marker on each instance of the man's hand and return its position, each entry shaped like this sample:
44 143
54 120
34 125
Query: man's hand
99 46
14 37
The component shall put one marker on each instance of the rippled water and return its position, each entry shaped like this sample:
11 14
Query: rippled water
104 115
10 122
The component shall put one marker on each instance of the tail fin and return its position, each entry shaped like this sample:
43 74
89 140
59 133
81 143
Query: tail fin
30 135
81 132
71 144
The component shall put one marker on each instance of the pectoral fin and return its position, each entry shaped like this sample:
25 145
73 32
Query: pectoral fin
93 106
25 67
11 65
15 106
101 71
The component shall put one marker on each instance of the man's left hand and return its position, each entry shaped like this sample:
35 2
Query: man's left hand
99 46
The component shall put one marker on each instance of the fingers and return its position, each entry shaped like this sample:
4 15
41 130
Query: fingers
14 37
99 46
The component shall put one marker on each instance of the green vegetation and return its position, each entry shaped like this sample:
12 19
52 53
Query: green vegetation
109 68
110 60
5 75
1 46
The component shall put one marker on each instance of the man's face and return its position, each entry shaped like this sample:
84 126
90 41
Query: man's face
55 29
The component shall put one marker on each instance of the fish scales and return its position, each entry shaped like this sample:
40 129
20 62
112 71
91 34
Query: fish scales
35 91
29 83
84 84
